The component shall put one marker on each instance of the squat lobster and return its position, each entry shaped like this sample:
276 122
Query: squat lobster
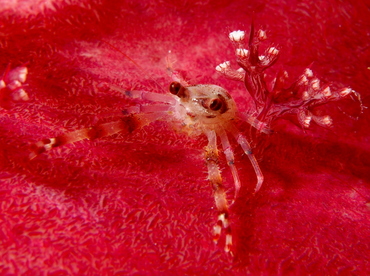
200 109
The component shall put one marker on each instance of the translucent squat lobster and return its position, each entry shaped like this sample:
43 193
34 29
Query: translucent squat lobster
200 109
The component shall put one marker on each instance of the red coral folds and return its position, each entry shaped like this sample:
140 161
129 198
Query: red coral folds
140 203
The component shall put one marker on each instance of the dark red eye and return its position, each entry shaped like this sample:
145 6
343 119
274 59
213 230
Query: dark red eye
179 90
215 104
175 88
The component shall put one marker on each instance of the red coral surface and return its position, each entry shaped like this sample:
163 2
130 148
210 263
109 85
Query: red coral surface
140 204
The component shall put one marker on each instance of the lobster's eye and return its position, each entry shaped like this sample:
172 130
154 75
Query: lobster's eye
215 104
175 88
179 90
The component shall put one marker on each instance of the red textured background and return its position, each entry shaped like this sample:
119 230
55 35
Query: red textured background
140 204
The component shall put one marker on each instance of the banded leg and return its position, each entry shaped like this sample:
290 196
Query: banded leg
147 108
229 154
146 95
215 179
163 102
259 125
127 124
242 141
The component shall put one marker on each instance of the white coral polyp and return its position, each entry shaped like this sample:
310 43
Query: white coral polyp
242 52
18 74
237 36
326 92
223 66
315 84
273 51
327 120
261 35
22 73
307 121
345 91
308 73
14 85
305 95
303 80
20 95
